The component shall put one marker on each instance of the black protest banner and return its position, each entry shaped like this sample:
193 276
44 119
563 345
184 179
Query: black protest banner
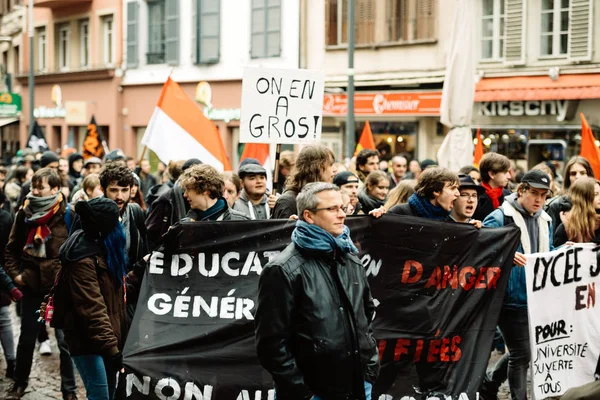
438 289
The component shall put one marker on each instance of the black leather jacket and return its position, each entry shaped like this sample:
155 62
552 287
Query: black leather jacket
313 325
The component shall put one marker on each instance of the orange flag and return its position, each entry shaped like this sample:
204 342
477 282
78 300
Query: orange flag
478 153
366 140
589 150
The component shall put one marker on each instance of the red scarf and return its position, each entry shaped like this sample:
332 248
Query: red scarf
493 193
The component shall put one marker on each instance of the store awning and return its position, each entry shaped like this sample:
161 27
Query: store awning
566 87
7 121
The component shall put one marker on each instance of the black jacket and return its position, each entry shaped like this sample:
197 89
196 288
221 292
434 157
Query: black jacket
285 205
403 209
554 207
485 206
164 212
313 325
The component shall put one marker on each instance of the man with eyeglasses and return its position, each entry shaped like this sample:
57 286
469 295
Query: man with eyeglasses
314 312
524 209
465 205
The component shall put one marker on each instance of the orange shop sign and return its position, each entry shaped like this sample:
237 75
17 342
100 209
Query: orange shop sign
400 103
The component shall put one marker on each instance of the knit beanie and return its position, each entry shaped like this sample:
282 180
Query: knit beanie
47 158
99 216
189 163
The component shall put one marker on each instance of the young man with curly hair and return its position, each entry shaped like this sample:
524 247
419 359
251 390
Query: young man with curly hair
203 189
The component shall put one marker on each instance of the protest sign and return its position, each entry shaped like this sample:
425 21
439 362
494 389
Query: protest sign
564 323
281 106
437 300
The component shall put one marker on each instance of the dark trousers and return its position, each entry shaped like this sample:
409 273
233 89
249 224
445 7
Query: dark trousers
30 328
514 325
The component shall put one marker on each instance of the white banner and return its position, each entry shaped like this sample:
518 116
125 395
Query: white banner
564 321
281 106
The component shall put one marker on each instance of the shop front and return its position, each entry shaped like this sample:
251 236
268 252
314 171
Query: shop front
64 110
220 101
534 119
403 122
10 113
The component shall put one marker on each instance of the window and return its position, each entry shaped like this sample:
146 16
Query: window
493 29
410 20
207 20
337 21
266 28
63 47
41 49
555 27
84 43
156 32
382 21
108 40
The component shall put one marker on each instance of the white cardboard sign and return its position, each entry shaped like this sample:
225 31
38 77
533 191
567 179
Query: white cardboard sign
281 106
564 320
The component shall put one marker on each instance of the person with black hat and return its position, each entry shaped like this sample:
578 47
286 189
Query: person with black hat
253 201
348 183
525 209
465 205
75 168
92 306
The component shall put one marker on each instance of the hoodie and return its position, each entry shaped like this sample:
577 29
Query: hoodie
74 176
531 221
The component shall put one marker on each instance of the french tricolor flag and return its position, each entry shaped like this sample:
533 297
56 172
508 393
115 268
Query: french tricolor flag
178 130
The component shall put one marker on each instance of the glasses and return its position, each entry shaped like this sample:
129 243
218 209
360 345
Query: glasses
467 196
332 209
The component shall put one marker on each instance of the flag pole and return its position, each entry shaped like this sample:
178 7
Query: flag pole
142 156
276 171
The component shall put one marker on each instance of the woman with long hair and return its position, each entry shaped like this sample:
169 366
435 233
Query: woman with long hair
581 221
401 193
374 194
91 284
576 168
137 196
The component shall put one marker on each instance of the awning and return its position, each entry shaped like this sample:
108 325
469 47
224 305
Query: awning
7 121
566 87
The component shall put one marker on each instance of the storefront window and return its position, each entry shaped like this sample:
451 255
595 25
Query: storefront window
392 138
513 143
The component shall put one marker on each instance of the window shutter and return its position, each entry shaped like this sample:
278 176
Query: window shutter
209 32
132 34
258 22
273 28
172 32
514 52
580 30
426 17
195 31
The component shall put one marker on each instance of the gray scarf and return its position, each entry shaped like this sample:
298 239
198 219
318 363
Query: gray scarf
39 206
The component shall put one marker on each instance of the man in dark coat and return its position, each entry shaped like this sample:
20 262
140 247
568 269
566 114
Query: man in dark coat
314 312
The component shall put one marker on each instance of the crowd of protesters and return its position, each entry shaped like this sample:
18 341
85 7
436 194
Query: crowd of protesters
88 225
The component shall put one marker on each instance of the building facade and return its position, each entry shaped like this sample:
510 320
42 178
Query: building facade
77 54
204 46
539 68
12 26
399 63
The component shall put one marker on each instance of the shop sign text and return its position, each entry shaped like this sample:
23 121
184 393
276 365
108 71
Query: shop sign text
530 108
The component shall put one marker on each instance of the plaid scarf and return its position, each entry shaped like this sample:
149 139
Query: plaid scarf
39 211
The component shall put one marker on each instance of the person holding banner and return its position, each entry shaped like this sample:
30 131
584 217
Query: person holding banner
314 164
434 196
203 188
524 209
315 309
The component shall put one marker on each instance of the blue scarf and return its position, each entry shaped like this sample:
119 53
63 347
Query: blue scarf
427 210
212 213
312 237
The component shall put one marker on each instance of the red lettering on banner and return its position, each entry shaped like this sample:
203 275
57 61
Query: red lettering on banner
419 350
434 350
435 279
401 348
467 284
493 274
455 349
382 344
480 282
408 270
